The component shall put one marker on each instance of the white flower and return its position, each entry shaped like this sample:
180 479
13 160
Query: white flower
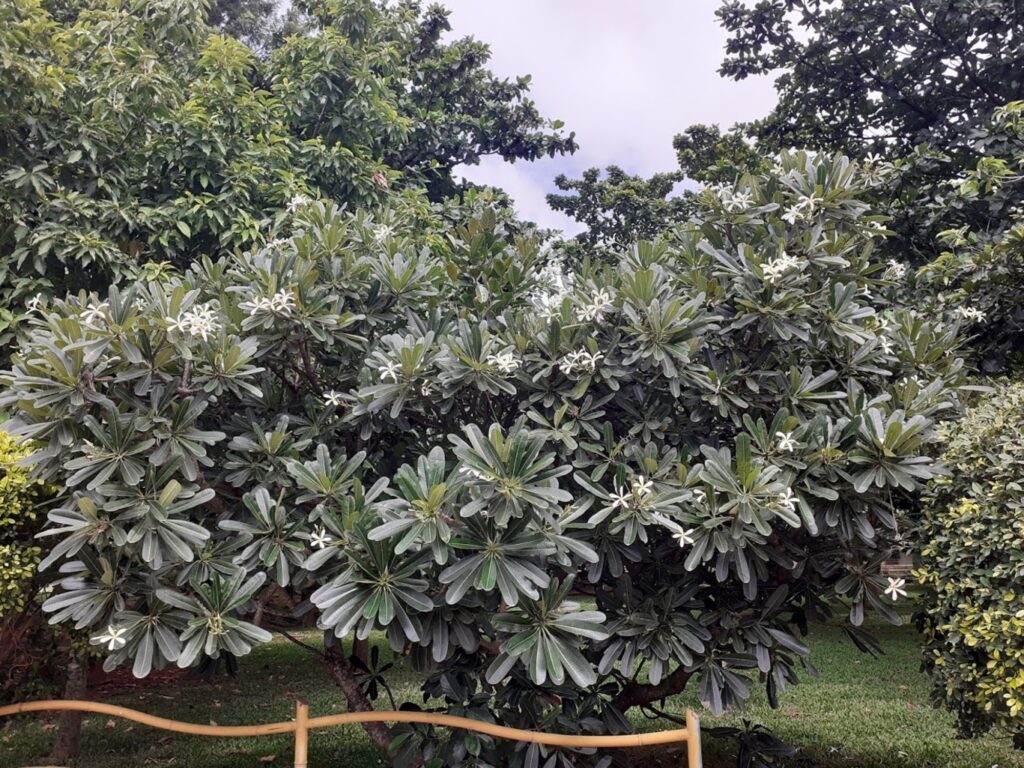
598 305
896 270
506 362
787 500
389 370
333 398
972 314
199 322
114 637
95 313
699 496
283 302
582 359
299 201
896 590
35 302
642 486
621 499
734 201
257 305
683 536
382 232
886 344
319 538
778 266
786 442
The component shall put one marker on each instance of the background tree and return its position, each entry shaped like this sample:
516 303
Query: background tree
130 134
414 428
618 208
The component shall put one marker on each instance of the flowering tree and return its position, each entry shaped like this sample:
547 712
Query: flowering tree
564 494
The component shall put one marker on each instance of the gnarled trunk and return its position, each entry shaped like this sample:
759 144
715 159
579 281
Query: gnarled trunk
343 675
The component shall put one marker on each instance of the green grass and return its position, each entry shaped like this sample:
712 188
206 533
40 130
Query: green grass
861 713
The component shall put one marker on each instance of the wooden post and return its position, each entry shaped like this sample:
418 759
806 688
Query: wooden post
693 759
301 734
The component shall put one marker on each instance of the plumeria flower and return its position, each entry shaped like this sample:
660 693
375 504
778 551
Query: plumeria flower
382 232
283 302
786 442
333 398
319 538
506 362
582 359
389 370
598 305
95 313
114 637
896 270
973 314
778 266
621 499
886 344
787 500
684 537
896 590
297 202
642 486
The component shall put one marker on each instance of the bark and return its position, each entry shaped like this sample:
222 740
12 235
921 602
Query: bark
636 694
342 674
68 743
361 650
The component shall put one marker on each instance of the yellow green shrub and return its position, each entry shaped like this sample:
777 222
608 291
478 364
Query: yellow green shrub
973 567
20 517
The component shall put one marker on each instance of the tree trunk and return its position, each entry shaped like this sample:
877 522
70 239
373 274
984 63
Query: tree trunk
69 727
636 694
344 677
361 650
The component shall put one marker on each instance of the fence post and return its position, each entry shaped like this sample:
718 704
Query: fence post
693 759
301 734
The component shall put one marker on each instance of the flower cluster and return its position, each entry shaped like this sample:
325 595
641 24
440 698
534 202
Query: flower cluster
802 210
896 270
778 266
582 360
971 314
200 322
281 303
506 362
596 307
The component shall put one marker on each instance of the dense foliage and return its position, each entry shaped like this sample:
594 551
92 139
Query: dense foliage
26 662
131 134
428 431
973 567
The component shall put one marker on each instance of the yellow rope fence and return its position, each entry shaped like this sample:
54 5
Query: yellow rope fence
303 724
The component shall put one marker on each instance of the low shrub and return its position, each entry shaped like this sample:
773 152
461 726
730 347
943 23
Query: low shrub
973 568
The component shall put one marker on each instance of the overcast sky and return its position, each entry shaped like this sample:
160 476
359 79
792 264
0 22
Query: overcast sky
625 75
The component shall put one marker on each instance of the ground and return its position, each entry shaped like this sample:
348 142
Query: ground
862 712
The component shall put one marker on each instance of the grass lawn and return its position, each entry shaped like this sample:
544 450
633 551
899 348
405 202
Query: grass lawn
861 713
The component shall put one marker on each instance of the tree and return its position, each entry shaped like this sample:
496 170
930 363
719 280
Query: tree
872 75
415 428
618 208
251 21
131 135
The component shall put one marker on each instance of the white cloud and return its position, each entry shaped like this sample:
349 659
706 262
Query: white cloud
625 76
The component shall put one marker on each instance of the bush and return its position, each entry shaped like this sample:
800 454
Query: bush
429 431
973 567
29 667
